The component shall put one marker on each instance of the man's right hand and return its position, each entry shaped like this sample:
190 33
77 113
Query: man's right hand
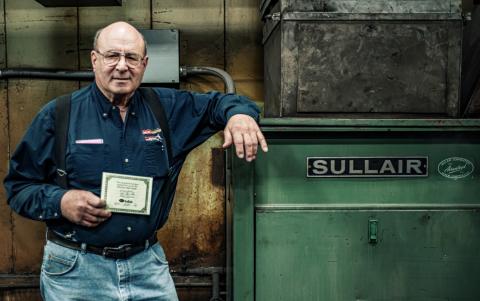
83 208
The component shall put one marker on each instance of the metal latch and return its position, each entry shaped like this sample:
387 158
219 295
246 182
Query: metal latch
372 231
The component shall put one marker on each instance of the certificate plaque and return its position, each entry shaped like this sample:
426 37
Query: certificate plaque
126 193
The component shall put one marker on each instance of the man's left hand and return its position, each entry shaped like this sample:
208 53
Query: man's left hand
243 131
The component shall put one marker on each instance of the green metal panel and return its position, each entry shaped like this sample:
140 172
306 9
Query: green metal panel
299 238
272 172
326 255
358 124
243 231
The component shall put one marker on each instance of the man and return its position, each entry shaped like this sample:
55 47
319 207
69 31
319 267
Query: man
92 253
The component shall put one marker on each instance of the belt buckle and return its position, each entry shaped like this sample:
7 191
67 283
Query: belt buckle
115 251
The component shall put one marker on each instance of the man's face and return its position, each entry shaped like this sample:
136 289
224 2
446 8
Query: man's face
119 62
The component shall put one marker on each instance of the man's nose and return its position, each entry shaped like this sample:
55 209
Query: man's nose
122 63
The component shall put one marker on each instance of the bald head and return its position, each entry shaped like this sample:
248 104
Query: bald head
119 61
121 32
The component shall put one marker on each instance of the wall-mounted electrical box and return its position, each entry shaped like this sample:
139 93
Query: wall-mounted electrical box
163 56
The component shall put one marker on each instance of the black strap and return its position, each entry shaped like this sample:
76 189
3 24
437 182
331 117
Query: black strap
62 118
153 101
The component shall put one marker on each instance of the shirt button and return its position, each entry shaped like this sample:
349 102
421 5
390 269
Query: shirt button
126 160
40 217
129 228
55 214
104 115
133 113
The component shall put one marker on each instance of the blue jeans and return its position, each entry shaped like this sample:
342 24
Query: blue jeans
69 275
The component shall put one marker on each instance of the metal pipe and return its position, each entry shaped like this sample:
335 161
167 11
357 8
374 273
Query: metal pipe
215 287
185 71
46 74
227 79
213 271
200 271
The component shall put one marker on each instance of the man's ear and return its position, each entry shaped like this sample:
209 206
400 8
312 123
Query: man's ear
145 61
93 59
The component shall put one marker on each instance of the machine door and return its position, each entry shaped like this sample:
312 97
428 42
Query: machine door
358 255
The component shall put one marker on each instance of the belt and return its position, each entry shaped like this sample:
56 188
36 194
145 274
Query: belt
119 252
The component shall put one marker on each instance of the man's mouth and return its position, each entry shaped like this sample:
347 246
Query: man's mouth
121 78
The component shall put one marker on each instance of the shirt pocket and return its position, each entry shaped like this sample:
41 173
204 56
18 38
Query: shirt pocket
156 163
86 162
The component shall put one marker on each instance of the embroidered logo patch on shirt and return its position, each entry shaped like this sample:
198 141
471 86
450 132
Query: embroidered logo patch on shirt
151 132
152 135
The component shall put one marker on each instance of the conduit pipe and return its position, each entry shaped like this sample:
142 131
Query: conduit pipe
227 79
46 74
185 71
215 274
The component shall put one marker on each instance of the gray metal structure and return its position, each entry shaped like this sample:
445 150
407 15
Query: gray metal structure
163 56
351 57
363 6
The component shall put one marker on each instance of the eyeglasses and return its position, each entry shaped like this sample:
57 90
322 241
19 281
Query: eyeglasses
111 58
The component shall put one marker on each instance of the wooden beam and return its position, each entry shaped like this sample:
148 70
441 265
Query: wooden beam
19 281
244 49
6 251
38 37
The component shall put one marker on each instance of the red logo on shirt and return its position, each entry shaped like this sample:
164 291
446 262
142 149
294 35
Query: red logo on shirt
152 135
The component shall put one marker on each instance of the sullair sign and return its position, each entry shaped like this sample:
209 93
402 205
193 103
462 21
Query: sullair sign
380 167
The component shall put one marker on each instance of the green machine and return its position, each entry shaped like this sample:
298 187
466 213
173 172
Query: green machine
357 209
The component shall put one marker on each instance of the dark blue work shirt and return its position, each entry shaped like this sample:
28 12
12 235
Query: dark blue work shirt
99 141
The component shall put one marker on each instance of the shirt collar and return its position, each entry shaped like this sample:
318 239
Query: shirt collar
106 106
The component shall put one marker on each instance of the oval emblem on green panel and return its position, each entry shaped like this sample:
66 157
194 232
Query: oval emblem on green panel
455 168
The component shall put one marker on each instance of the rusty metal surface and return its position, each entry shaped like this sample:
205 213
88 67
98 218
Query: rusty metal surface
5 216
405 60
194 234
31 294
6 251
359 64
361 6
